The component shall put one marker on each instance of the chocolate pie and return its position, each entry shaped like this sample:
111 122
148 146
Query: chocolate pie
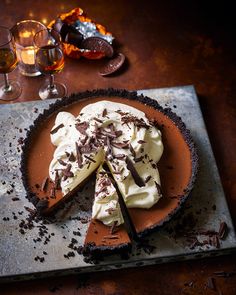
142 154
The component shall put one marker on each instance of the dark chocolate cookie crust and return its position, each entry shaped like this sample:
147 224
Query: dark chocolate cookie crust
110 92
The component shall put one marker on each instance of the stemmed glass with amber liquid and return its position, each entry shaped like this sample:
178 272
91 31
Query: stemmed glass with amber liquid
9 90
49 60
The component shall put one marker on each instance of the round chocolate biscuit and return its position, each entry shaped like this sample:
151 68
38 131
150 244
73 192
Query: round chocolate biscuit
113 65
98 44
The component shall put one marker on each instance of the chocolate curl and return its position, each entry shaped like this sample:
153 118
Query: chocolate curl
137 179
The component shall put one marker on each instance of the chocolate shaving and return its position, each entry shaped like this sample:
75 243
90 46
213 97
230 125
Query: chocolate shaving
57 181
82 127
118 133
98 120
104 113
44 184
109 134
90 159
132 151
158 188
224 274
137 179
211 283
222 230
78 155
57 128
66 172
132 119
139 159
62 162
71 157
148 178
119 145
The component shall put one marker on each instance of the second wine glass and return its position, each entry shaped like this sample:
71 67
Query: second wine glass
49 59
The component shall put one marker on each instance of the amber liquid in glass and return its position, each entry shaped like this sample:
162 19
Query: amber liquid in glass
49 59
8 60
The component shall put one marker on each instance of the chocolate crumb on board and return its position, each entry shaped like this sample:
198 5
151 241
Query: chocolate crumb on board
211 283
224 274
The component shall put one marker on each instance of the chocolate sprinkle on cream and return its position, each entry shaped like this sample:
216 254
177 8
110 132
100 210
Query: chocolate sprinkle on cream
57 128
104 113
148 178
66 172
82 127
78 155
90 159
132 151
62 162
71 157
120 145
57 181
137 179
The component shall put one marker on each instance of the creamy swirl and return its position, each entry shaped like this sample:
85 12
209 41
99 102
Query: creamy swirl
106 206
118 134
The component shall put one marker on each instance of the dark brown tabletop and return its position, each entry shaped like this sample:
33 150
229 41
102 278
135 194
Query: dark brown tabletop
166 45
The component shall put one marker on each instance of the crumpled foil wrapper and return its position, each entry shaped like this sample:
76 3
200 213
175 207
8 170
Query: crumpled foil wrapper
88 28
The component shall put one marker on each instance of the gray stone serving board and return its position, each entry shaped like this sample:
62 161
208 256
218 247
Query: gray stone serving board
206 204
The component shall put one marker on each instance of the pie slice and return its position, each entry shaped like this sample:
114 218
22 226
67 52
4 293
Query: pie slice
106 231
74 137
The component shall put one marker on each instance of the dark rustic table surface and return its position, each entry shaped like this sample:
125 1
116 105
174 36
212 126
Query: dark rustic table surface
182 43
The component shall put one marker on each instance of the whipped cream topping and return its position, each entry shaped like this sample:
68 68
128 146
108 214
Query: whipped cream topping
106 206
118 134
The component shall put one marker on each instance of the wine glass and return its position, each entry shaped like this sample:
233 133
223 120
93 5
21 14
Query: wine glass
9 90
49 59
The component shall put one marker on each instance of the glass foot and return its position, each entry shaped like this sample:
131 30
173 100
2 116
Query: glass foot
58 91
10 93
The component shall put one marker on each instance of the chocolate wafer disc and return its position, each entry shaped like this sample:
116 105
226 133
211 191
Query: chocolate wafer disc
113 65
98 44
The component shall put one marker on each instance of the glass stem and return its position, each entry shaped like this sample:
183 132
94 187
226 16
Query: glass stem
7 87
52 82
